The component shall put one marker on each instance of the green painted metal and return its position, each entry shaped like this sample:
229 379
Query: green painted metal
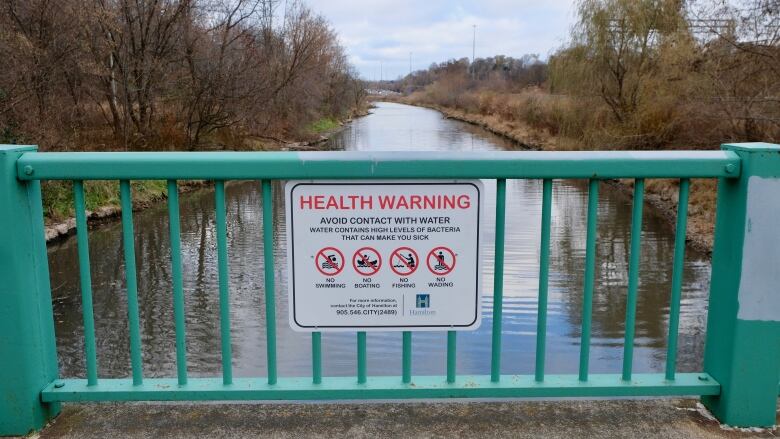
677 276
176 281
742 350
590 269
633 276
27 345
85 277
361 357
382 387
128 242
498 280
452 352
361 165
742 358
224 282
270 289
544 274
316 357
406 357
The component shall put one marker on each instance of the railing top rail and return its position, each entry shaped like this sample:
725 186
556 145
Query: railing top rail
378 165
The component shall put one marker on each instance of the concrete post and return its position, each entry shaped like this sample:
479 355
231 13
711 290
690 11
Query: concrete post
742 351
28 357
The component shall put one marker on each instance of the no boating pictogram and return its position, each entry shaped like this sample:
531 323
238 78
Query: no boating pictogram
441 261
366 261
404 261
329 261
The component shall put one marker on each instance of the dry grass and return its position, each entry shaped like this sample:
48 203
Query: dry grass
664 195
538 120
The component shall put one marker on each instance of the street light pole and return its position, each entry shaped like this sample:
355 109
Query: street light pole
473 43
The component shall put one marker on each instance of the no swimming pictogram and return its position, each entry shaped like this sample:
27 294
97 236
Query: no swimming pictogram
404 261
329 261
441 261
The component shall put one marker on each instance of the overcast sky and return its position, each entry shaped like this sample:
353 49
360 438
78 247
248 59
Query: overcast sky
385 31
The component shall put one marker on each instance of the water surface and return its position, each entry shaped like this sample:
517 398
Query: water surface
391 127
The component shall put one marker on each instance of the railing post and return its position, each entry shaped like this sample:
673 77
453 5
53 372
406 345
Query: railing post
27 347
742 351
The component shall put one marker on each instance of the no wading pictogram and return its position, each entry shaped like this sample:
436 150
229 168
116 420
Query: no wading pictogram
441 261
366 261
404 261
329 261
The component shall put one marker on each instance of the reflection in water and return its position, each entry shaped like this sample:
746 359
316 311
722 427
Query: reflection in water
391 127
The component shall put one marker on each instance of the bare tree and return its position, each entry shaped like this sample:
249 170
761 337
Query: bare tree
39 51
167 72
220 58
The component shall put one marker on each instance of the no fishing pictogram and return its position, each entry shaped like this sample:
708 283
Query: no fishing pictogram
404 261
329 261
366 261
441 261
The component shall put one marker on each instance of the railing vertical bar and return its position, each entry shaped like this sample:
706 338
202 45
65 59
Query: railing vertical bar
131 280
224 280
590 268
677 272
361 357
633 276
498 280
544 271
86 282
178 284
406 361
452 349
270 298
316 357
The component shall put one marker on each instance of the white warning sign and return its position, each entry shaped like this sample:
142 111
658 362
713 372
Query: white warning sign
384 255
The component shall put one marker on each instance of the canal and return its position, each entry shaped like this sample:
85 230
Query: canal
391 127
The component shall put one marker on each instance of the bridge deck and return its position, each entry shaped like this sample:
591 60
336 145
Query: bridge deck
550 419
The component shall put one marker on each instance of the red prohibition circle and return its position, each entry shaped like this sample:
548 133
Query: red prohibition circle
376 265
405 265
447 269
328 262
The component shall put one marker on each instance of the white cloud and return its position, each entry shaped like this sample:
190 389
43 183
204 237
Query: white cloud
385 31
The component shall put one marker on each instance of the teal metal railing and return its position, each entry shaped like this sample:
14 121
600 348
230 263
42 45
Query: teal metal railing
717 383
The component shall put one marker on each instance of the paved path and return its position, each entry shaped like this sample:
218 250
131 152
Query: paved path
523 419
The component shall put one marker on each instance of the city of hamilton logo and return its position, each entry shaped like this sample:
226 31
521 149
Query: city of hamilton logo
423 301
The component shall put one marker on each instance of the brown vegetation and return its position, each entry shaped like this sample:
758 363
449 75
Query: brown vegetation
167 74
636 74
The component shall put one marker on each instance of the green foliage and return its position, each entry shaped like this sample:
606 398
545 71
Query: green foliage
615 50
323 125
639 58
58 195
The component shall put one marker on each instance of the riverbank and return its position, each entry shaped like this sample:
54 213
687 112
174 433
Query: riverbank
103 202
102 197
661 194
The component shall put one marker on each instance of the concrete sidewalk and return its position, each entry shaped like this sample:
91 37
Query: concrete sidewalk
662 418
